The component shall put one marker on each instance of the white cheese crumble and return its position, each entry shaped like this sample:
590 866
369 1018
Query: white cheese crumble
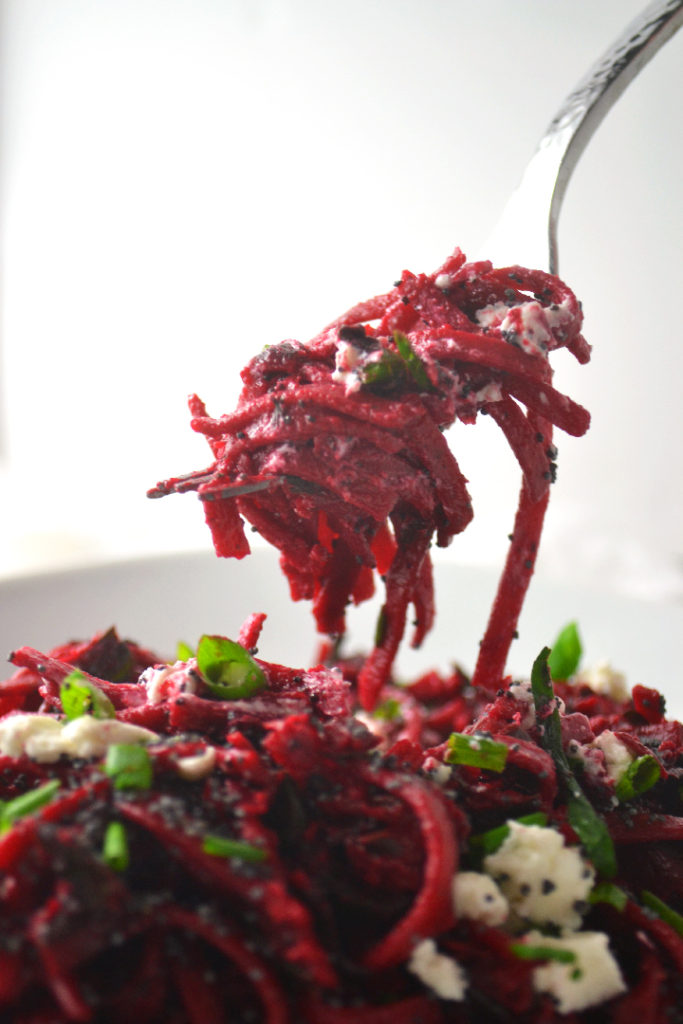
593 978
604 679
543 880
85 737
443 281
476 896
162 682
617 755
441 973
197 766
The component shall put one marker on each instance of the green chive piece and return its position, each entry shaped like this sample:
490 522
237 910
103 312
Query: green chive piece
129 765
584 819
565 656
81 697
115 846
477 751
414 364
641 775
608 892
228 669
526 951
218 846
183 652
388 710
490 841
27 803
663 911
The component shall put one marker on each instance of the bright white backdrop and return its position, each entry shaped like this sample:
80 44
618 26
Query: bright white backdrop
184 181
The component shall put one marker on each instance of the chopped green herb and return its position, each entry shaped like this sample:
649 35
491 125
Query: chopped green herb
566 652
217 846
228 669
663 910
488 842
27 803
388 710
414 364
115 846
183 652
380 626
477 751
81 697
641 775
608 892
129 765
584 819
527 951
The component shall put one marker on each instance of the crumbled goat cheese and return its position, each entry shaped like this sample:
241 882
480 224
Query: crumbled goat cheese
543 880
617 755
521 691
602 678
441 973
443 281
197 766
83 737
476 896
162 682
593 978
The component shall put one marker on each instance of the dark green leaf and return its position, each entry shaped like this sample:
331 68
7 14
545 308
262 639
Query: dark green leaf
228 669
27 803
663 910
115 846
129 765
81 697
477 751
592 831
527 951
565 656
641 775
218 846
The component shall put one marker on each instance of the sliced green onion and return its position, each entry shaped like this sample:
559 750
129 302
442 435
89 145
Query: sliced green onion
477 751
81 697
663 911
526 951
608 892
129 765
565 656
27 803
218 846
641 775
183 652
414 364
584 819
115 846
388 710
228 669
488 842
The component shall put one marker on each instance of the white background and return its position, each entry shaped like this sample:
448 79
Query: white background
185 181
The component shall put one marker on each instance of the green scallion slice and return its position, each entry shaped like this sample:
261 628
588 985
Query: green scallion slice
477 751
527 951
129 765
27 803
490 841
115 846
663 910
218 846
565 656
228 669
81 697
641 775
608 892
388 710
183 651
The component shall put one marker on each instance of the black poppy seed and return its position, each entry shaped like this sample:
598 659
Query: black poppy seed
525 889
528 563
547 886
405 300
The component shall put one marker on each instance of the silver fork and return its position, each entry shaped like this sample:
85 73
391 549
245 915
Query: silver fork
527 230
